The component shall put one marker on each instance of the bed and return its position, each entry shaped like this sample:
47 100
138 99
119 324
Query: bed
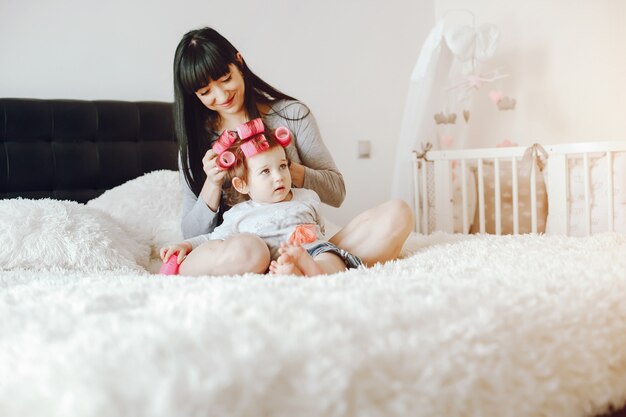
462 325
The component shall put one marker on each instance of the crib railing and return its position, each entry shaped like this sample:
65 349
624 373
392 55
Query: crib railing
556 159
558 198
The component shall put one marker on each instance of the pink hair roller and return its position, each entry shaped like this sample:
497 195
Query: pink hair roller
283 136
170 267
225 160
251 128
254 146
226 139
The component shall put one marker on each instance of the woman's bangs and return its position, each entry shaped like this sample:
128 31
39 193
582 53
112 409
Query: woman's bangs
201 67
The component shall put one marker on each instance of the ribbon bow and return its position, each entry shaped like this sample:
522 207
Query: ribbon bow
534 154
304 233
426 147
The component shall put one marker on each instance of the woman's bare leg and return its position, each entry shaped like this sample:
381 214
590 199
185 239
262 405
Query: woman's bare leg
378 234
329 262
236 255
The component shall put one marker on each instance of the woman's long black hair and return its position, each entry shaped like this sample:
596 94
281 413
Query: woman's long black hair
203 55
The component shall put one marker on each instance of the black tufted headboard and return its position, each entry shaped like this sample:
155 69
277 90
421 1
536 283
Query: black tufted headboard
76 150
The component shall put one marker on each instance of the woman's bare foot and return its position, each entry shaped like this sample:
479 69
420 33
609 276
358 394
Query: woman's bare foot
284 265
301 259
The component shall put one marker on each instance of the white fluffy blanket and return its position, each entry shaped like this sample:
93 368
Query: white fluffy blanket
466 326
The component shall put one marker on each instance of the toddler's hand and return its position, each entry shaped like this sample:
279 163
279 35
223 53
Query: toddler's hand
182 248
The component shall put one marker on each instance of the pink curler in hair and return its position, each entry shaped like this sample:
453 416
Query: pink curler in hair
227 138
283 136
254 146
170 267
251 128
225 160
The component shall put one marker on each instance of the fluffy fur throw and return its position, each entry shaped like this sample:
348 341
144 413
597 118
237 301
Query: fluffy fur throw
465 326
63 235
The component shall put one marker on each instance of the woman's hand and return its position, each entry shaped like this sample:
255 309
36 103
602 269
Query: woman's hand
211 192
297 174
214 175
182 248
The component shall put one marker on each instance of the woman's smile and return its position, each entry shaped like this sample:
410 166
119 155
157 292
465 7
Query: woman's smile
228 103
224 95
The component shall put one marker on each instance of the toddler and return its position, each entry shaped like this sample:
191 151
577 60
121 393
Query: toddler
264 203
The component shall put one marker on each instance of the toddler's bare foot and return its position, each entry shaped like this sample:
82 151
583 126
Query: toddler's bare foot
284 265
301 258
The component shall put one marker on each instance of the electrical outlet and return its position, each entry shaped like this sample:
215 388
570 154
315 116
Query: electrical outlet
363 149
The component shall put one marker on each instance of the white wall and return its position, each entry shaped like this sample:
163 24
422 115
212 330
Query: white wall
567 60
348 60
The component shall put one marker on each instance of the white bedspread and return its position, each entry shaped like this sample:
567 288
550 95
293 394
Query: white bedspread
466 326
473 326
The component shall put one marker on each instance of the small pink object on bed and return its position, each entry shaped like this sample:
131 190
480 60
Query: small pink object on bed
170 267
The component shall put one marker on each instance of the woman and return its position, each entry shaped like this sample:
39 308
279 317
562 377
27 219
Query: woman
215 90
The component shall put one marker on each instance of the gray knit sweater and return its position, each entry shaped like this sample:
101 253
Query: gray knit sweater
307 148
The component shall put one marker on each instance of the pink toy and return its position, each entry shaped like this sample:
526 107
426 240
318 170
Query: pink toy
283 136
251 128
226 139
225 160
170 267
255 145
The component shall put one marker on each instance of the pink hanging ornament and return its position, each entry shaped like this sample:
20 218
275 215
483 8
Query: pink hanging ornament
495 96
447 141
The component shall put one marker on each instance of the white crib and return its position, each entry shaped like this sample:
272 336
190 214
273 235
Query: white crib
590 165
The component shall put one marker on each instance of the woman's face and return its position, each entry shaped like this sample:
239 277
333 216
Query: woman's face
224 95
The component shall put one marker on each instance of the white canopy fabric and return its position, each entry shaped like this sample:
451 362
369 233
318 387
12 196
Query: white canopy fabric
439 101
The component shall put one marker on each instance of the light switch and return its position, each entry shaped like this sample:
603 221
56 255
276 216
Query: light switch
363 147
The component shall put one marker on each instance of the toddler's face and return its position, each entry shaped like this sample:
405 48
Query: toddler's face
269 180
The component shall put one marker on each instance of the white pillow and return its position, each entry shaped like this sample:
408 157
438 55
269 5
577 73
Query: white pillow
56 235
149 206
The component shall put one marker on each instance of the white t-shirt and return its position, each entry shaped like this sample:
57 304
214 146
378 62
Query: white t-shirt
272 222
